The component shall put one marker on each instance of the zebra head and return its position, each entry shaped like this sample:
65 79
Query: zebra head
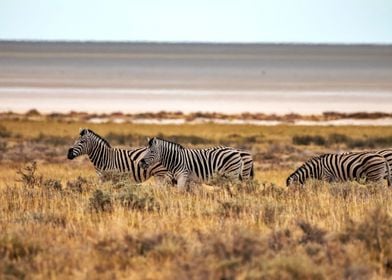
152 155
312 169
87 141
293 179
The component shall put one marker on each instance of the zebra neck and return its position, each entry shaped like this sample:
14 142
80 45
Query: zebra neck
311 171
172 159
318 171
101 156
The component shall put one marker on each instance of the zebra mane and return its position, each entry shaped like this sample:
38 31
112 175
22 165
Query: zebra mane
96 135
318 157
167 141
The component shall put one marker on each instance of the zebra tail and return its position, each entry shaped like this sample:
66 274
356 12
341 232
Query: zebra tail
241 170
252 172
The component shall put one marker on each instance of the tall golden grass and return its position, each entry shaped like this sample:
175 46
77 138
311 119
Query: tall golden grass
58 221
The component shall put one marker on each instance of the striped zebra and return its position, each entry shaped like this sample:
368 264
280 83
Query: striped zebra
370 166
247 165
189 164
387 154
108 159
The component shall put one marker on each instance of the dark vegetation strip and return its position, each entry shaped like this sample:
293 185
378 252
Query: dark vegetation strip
336 139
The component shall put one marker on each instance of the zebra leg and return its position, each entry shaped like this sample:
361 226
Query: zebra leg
159 181
389 179
101 177
163 180
182 182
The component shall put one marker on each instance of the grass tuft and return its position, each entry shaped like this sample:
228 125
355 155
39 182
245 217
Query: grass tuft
101 201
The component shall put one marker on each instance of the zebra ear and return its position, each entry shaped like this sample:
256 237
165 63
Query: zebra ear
82 131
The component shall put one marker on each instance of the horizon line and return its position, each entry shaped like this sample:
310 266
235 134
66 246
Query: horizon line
195 42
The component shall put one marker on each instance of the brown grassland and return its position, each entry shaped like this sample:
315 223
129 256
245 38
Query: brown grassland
57 221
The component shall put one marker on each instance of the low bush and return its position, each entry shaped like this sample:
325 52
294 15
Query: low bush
370 142
271 212
134 140
137 198
121 252
3 147
309 139
78 185
336 138
28 176
52 140
101 201
4 133
13 247
52 184
375 232
186 139
311 233
231 208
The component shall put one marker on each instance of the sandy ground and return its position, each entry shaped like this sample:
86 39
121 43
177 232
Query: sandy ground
107 77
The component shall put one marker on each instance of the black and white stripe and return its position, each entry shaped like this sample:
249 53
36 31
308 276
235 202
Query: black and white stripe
247 165
370 166
108 159
387 154
189 164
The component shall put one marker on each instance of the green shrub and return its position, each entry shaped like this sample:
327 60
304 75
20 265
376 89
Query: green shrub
29 177
134 197
78 185
126 139
375 232
52 184
337 138
311 233
13 247
186 139
309 139
52 140
3 147
101 201
231 208
4 133
271 212
370 142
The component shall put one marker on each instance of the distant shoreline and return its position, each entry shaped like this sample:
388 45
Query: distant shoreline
177 118
195 43
230 102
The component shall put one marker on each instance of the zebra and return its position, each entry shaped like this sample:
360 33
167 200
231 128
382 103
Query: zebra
343 167
247 165
108 159
387 154
189 164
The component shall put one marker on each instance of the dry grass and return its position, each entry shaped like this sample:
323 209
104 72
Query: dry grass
58 221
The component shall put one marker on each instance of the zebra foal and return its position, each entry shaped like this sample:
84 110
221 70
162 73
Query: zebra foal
108 159
189 164
370 166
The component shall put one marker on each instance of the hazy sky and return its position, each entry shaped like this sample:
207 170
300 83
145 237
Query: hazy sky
317 21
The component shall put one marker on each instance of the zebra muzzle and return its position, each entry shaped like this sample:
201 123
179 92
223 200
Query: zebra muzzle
143 164
70 154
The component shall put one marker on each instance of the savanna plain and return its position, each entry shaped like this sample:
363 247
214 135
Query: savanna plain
58 221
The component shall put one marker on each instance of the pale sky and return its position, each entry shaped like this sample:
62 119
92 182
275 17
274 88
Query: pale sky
269 21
